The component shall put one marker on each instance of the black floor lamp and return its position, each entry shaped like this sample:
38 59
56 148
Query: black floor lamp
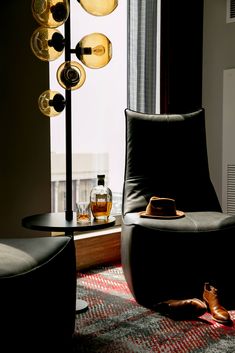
93 50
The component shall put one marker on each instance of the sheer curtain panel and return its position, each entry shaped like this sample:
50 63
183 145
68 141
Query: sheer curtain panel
142 55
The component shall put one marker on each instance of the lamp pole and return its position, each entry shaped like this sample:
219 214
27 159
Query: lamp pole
68 127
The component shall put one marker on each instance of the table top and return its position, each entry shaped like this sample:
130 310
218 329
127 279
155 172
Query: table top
56 222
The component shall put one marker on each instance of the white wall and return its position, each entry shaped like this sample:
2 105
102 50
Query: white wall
219 54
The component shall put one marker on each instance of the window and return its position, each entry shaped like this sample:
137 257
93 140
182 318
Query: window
97 113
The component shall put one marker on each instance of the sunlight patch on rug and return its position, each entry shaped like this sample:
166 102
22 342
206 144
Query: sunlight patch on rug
115 323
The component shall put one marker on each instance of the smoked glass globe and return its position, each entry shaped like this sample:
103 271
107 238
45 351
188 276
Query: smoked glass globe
51 103
50 13
47 43
99 7
94 50
71 75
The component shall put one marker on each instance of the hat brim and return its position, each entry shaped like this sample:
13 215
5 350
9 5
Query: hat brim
179 214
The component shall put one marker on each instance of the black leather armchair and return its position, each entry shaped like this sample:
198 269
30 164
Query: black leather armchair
37 294
166 156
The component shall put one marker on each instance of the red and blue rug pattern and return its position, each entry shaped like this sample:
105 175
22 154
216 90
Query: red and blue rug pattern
116 323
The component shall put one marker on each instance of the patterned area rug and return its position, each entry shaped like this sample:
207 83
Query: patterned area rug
115 323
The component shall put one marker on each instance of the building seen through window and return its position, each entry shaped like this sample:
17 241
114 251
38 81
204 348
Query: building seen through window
84 179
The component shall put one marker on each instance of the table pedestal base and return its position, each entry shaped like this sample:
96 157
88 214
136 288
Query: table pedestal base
57 222
81 306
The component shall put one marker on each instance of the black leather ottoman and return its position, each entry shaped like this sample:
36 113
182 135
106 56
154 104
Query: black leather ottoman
172 259
37 294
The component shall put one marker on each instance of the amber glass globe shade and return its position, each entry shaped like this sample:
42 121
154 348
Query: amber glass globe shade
94 50
50 13
41 43
51 103
71 75
99 7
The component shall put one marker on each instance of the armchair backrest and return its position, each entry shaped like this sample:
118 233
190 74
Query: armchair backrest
166 156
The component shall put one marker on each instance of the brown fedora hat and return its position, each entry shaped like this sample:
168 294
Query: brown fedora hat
161 207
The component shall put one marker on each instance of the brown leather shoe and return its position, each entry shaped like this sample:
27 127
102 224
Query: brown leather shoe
218 312
182 309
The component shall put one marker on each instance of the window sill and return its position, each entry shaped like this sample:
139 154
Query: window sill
97 247
97 233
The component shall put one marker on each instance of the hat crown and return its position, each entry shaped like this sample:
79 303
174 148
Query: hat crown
161 206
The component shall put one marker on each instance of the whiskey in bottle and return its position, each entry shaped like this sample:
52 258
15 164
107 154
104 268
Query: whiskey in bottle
101 199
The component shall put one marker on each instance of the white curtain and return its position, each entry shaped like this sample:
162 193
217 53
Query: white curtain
142 55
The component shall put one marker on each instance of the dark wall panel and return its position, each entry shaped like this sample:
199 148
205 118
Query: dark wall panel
181 55
24 132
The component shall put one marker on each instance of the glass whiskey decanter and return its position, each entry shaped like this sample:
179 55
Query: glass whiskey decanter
101 199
